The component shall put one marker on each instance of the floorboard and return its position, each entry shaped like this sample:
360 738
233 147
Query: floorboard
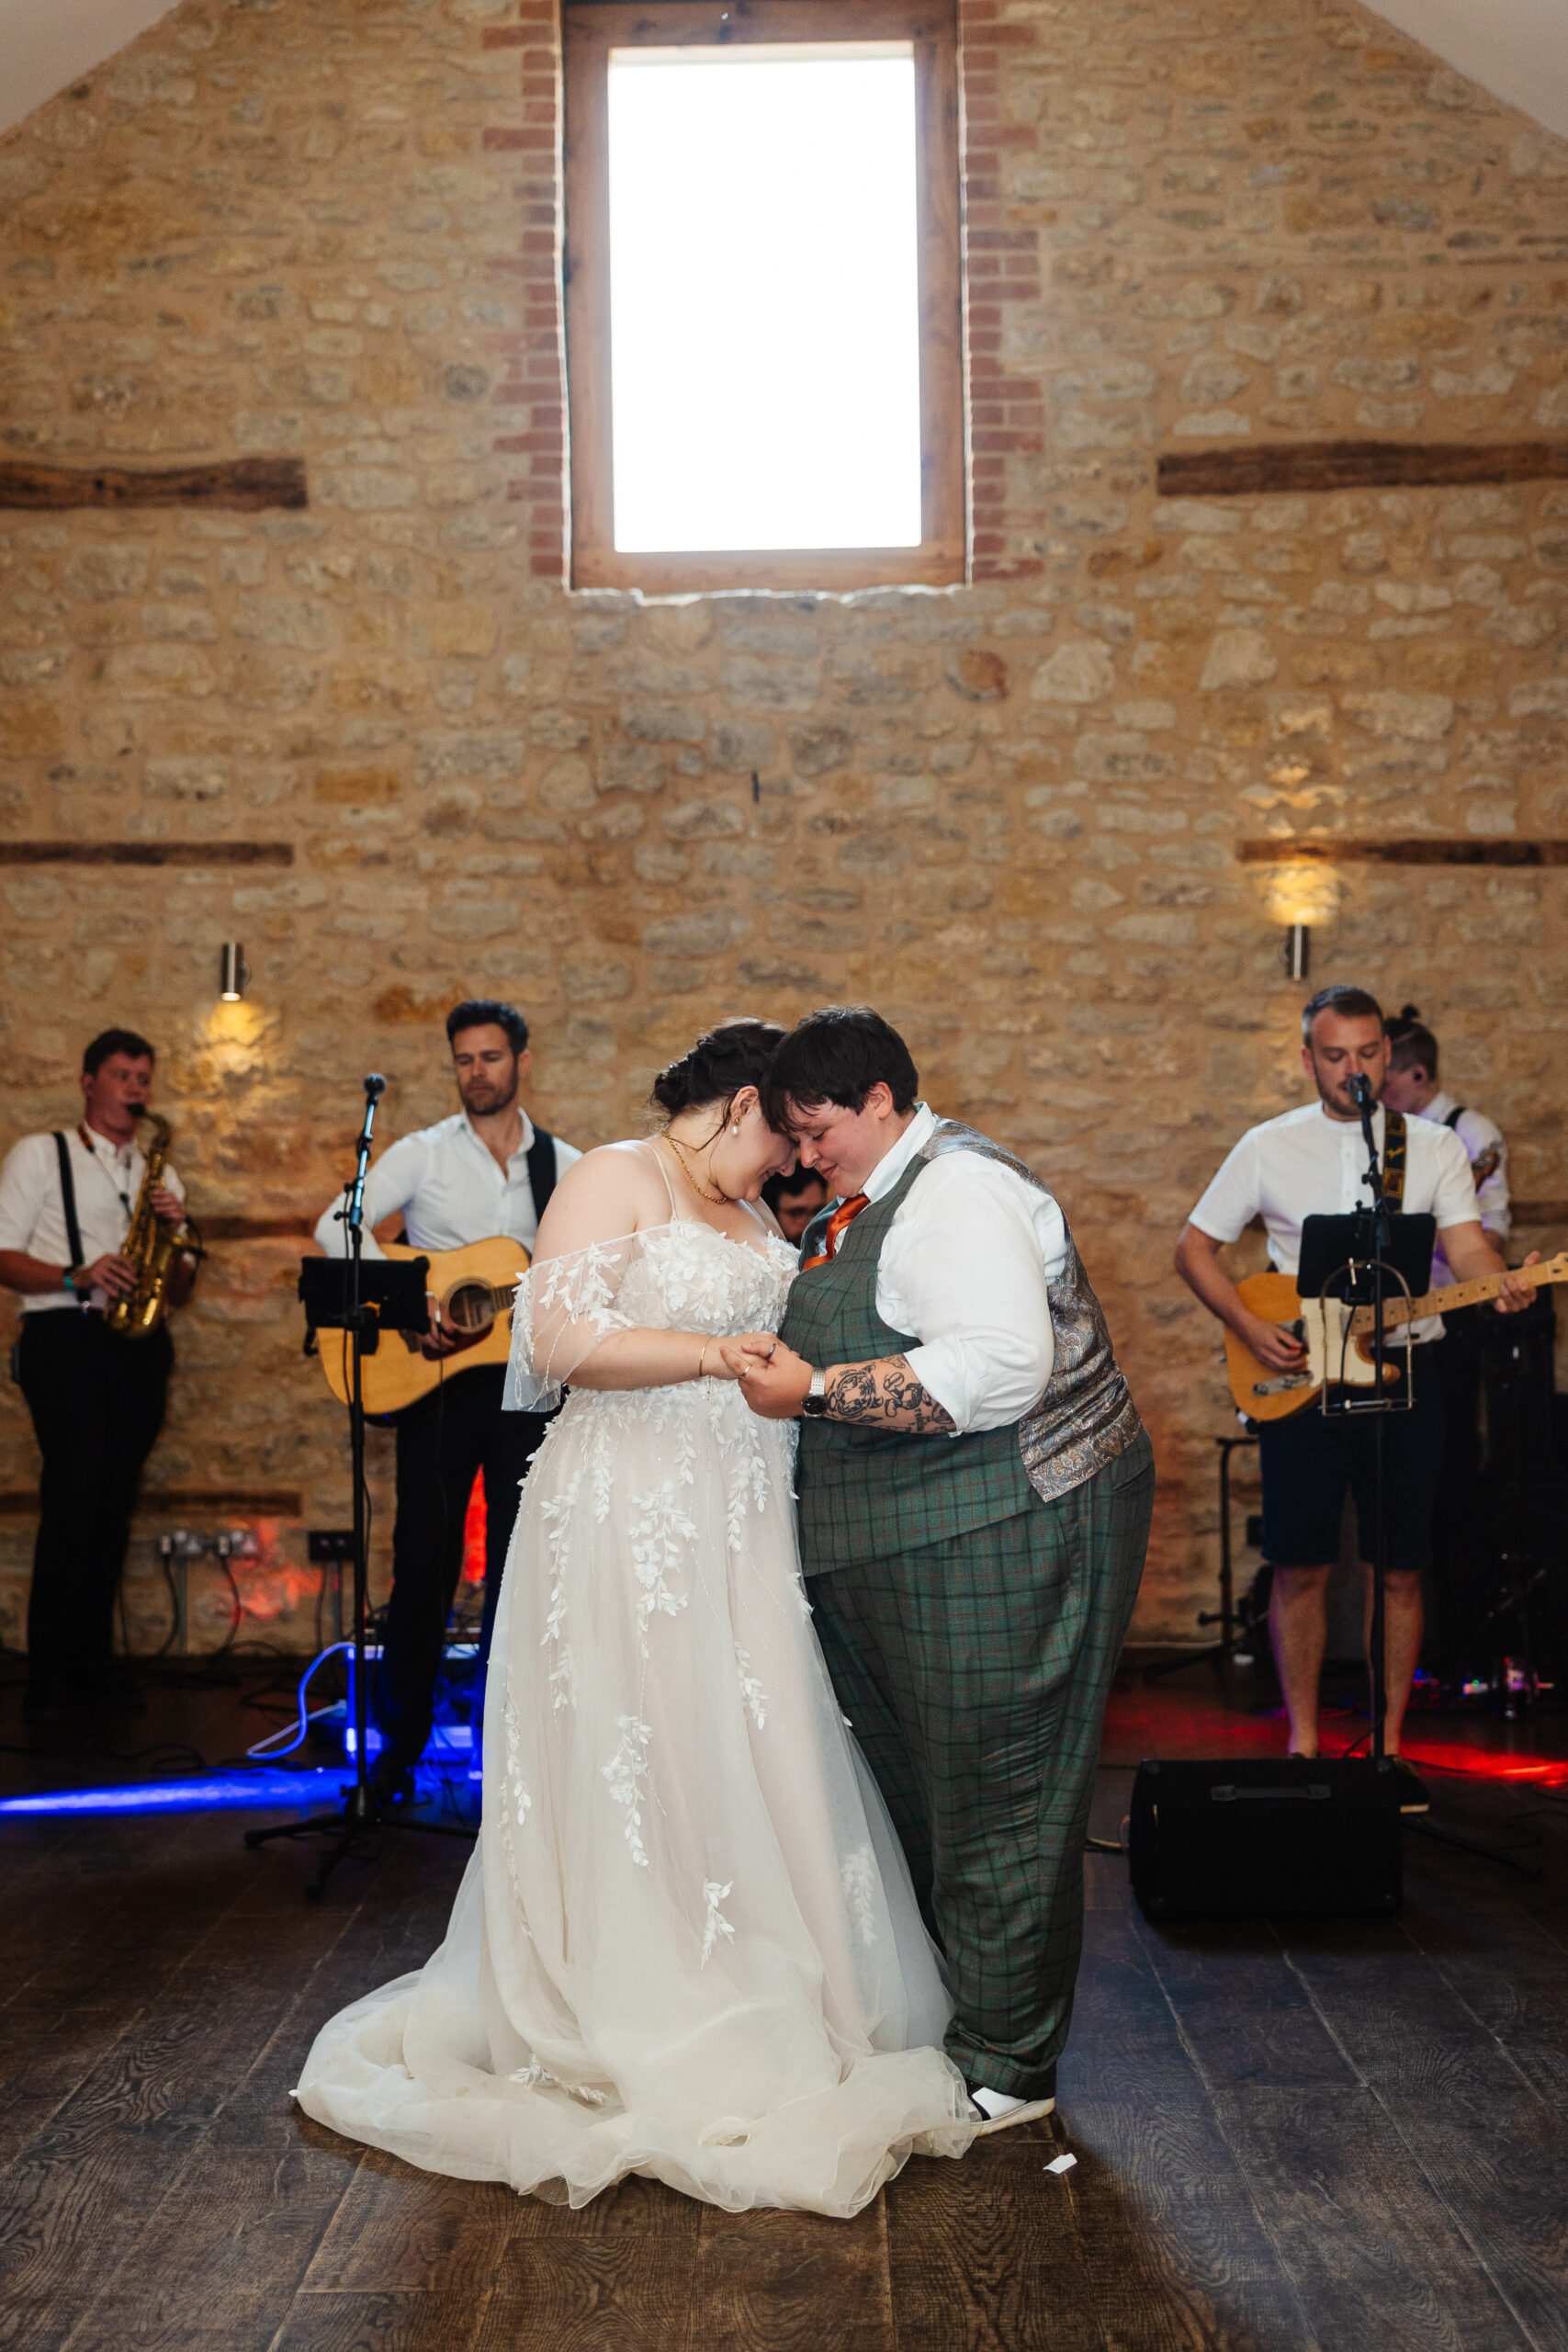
1295 2137
382 2322
241 2220
986 2254
1371 2245
763 2283
1176 2252
623 2291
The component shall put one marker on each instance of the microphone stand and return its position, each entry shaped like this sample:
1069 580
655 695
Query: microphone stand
1376 1222
1374 1233
361 1814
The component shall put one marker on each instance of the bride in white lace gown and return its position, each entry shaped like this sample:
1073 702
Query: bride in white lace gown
686 1944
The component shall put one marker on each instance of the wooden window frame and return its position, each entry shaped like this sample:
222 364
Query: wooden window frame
591 29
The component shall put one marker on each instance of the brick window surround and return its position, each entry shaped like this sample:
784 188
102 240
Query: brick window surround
1005 416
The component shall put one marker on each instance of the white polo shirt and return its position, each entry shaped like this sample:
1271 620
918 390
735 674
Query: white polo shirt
450 1189
1305 1164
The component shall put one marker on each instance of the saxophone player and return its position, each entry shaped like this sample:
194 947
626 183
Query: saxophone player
67 1201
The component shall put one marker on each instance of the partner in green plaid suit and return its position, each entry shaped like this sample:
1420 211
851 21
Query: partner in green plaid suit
974 1491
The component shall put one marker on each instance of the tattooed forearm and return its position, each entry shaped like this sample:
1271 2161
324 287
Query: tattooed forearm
883 1395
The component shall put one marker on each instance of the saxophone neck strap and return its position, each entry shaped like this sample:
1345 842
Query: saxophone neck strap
68 1199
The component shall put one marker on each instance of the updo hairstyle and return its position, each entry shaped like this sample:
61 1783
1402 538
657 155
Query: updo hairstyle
736 1054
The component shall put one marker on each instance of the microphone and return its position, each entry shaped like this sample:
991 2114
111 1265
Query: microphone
376 1086
1359 1088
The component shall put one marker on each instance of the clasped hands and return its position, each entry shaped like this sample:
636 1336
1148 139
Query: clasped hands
773 1379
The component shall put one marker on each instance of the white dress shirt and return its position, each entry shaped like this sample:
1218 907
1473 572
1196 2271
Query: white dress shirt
1305 1164
964 1267
108 1178
450 1189
1479 1136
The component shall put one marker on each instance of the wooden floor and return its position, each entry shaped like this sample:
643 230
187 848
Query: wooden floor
1330 2136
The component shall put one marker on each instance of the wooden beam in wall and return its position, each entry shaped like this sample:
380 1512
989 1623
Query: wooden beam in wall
1354 465
146 852
1539 1213
246 483
257 1228
1416 849
162 1502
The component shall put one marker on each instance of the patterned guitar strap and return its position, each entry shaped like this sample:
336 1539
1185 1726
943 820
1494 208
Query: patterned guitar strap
1394 1139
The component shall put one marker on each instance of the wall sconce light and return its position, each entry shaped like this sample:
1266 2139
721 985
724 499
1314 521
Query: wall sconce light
1300 894
233 973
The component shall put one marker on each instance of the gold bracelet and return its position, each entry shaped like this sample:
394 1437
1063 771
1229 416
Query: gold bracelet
701 1360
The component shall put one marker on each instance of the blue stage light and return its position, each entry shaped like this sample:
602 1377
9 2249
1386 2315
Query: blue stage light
268 1791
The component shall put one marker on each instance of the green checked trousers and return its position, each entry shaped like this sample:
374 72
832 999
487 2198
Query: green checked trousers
974 1671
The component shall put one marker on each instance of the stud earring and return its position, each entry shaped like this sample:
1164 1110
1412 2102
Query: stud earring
735 1127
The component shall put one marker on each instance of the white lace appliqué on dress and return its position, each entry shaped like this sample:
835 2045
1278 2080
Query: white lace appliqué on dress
687 1945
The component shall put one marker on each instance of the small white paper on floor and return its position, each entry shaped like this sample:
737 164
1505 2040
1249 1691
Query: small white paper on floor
1062 2164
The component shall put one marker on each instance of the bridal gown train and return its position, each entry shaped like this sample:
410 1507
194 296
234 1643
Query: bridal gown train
686 1944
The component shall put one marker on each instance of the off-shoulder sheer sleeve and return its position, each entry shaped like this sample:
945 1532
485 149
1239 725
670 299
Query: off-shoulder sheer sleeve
566 1306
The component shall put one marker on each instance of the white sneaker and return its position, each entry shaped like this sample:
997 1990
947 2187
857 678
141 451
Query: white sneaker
1000 2111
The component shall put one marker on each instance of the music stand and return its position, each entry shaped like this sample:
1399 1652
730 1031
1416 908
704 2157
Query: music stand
345 1295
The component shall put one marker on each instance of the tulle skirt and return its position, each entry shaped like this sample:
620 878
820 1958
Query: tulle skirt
686 1945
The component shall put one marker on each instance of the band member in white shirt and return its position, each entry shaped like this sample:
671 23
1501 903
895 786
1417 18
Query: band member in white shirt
487 1170
1413 1087
1461 1637
96 1400
1313 1161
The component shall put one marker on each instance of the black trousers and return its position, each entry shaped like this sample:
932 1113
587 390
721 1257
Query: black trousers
442 1443
97 1405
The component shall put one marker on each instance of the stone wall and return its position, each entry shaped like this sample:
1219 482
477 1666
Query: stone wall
1007 812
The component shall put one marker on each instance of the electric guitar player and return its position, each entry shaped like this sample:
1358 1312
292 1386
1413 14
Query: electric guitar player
1311 1161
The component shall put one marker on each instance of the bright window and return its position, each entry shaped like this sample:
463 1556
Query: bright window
763 298
764 295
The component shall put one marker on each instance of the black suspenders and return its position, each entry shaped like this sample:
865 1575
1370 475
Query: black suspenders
541 1171
68 1199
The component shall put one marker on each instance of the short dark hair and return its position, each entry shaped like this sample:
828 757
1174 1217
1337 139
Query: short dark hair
488 1013
838 1055
779 1189
1412 1041
1349 1003
115 1041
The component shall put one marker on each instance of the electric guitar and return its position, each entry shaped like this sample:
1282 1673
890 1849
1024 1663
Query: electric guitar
1338 1338
473 1290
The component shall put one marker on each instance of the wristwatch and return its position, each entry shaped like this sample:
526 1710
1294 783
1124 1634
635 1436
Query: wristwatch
815 1401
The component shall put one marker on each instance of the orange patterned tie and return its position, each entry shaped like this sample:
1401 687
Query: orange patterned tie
843 1216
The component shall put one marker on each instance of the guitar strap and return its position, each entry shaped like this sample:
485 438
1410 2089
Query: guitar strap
1395 1140
1455 1115
68 1199
541 1171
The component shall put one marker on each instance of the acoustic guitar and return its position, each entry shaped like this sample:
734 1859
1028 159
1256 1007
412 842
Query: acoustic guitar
1338 1338
473 1290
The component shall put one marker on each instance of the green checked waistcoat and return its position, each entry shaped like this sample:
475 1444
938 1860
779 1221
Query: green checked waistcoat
865 1493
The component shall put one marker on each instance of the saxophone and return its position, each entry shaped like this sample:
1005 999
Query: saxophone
150 1245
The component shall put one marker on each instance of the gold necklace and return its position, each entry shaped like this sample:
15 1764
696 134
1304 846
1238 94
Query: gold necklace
693 1181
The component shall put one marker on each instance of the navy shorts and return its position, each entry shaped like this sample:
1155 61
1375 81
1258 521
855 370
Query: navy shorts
1307 1463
